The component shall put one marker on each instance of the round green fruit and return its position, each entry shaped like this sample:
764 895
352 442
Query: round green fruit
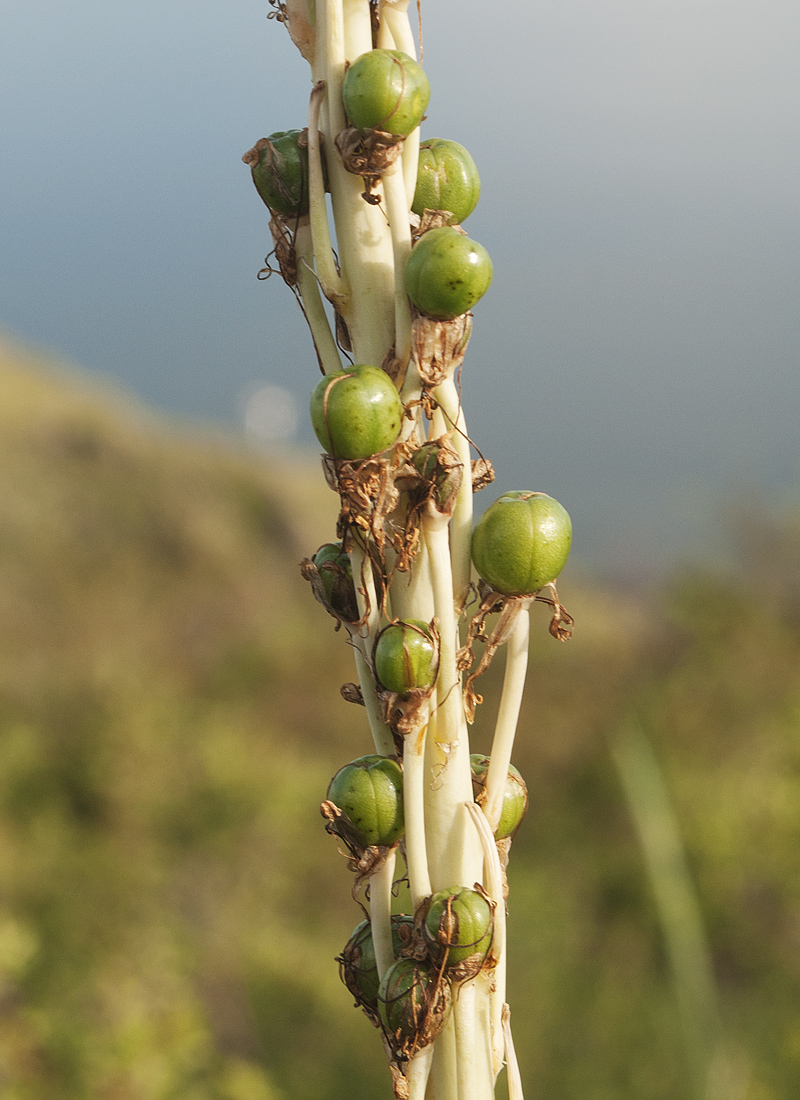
356 412
279 166
406 656
369 791
447 273
385 90
515 795
336 577
359 968
447 179
521 543
459 921
411 1005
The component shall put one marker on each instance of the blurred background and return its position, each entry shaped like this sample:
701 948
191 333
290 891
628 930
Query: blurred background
162 862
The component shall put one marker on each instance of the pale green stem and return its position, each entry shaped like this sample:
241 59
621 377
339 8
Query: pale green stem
419 882
385 37
512 1066
369 610
676 899
454 855
313 308
475 1073
380 913
411 592
381 734
357 28
507 715
444 1072
449 402
418 1071
333 286
397 210
493 885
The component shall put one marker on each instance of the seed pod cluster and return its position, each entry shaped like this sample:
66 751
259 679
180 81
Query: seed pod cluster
397 453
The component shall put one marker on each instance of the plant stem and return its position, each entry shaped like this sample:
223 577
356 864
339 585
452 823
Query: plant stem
449 402
361 568
454 855
380 913
676 899
324 342
493 884
397 210
475 1073
414 809
418 1072
507 716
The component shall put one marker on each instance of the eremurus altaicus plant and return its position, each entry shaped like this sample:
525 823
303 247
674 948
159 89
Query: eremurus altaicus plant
387 289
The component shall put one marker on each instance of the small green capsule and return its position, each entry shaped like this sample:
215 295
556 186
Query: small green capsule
279 166
412 1003
460 922
447 179
406 656
385 90
359 968
521 543
515 795
356 412
447 273
336 577
369 791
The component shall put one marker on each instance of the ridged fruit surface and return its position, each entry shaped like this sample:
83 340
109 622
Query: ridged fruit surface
369 791
447 273
385 90
522 542
447 179
356 412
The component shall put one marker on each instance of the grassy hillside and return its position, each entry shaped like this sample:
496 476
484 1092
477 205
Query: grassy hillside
170 717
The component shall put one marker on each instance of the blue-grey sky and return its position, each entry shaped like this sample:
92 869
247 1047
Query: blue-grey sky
637 354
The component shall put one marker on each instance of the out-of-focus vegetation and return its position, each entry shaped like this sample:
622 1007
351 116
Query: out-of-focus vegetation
170 906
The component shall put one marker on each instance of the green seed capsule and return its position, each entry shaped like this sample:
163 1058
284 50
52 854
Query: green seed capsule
336 577
359 968
411 1005
460 922
369 791
521 543
406 656
515 795
385 90
356 412
447 179
447 273
279 166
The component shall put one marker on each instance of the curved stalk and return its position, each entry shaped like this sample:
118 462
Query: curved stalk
419 882
454 855
380 913
418 1072
493 884
333 285
397 210
512 1066
507 716
324 342
369 610
449 403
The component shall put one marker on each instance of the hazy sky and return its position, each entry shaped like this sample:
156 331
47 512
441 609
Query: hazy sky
637 354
